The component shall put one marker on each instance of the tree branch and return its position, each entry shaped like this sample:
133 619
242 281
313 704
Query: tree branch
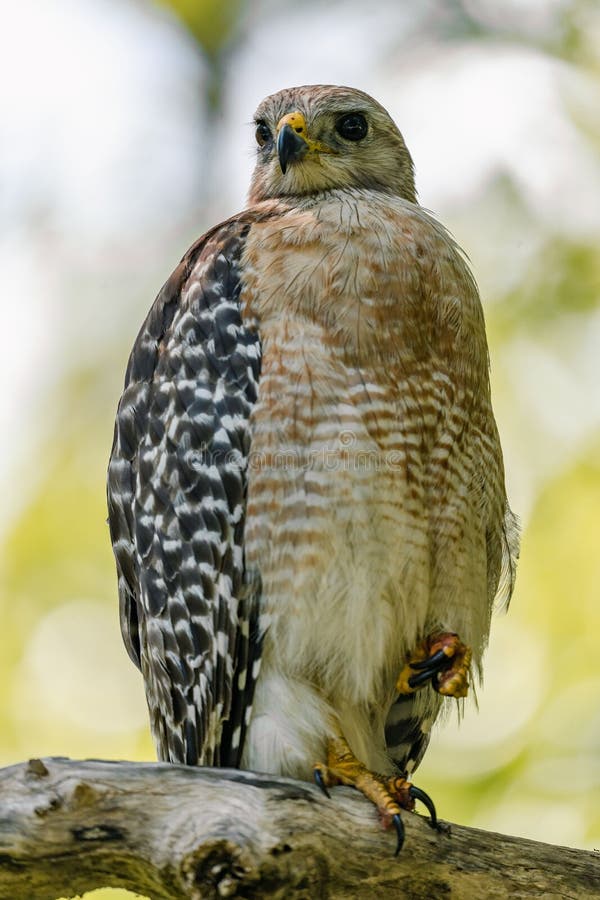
172 832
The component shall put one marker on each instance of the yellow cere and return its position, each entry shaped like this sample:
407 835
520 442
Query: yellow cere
297 121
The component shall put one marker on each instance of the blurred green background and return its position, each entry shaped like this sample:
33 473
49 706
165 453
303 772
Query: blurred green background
126 136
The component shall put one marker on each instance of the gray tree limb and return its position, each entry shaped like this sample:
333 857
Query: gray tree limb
171 832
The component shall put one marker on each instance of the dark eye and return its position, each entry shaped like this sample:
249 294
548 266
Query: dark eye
353 127
263 133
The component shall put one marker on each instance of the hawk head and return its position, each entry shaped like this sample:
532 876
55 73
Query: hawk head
321 137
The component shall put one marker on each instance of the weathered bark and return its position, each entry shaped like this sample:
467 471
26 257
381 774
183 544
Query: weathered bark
172 832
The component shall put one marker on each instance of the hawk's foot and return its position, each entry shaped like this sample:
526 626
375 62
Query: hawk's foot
390 794
442 659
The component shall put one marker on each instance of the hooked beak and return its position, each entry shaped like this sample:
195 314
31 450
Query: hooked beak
291 145
293 141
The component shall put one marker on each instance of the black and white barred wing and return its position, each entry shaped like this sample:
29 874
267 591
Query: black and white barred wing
176 491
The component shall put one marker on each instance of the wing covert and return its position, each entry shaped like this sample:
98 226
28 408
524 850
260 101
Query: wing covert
177 492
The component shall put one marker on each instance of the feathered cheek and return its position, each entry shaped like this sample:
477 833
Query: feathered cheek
313 173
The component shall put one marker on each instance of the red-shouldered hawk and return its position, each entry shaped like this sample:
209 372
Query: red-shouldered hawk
306 488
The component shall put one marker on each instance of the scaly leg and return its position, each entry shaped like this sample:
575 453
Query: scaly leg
442 659
390 794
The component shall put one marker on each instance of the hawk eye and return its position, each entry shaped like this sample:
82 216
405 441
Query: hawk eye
353 127
263 133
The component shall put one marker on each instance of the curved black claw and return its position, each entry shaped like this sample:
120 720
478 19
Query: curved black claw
399 826
417 794
429 668
320 781
416 681
431 661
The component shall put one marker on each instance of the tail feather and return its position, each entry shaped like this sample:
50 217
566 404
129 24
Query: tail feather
408 728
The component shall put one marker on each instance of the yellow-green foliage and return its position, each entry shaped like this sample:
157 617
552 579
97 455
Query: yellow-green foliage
211 22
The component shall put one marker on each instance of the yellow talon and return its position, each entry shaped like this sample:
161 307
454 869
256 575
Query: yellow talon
441 659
